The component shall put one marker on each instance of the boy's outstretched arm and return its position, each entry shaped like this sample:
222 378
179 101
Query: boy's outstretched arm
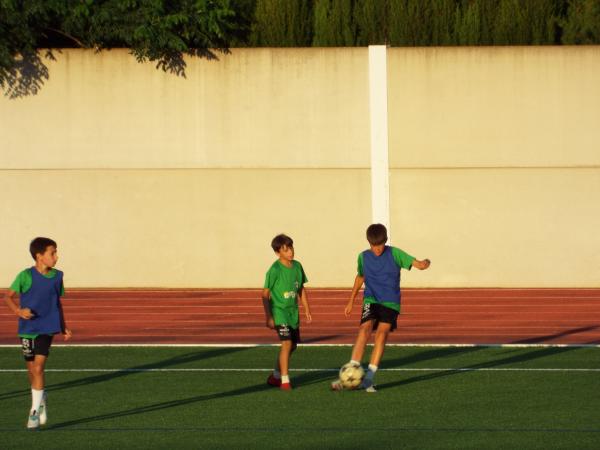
421 265
358 282
304 299
266 299
23 313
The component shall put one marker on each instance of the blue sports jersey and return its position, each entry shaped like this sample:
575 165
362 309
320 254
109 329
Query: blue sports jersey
382 276
43 299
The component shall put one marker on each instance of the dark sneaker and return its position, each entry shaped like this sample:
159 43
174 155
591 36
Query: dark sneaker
272 381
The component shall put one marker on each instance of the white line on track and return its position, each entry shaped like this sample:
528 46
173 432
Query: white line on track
243 345
411 298
392 369
318 291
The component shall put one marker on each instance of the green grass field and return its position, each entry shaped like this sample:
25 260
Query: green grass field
428 404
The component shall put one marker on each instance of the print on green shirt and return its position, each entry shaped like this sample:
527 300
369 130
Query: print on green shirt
285 284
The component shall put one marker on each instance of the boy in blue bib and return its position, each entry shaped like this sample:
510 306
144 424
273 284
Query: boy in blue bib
40 318
379 270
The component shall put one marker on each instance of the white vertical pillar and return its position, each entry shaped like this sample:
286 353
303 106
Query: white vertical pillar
380 197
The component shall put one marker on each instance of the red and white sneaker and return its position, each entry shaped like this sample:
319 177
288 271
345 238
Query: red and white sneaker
337 385
285 387
272 381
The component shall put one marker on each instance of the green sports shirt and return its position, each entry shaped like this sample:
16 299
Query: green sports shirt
284 284
402 259
23 283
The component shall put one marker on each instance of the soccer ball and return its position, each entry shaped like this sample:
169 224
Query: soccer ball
351 376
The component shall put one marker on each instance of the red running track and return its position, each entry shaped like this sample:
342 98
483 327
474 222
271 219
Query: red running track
429 316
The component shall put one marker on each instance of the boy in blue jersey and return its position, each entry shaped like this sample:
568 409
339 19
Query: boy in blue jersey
379 270
40 318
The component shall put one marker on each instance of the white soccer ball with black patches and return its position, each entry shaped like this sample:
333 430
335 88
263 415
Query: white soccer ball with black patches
351 376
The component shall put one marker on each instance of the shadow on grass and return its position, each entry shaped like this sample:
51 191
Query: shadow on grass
308 378
518 358
429 354
299 381
162 406
170 362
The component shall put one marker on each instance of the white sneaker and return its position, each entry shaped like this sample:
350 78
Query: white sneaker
33 423
43 412
368 386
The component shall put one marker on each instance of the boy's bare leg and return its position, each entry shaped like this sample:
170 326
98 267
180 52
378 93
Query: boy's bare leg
381 335
35 370
284 357
383 330
364 333
277 367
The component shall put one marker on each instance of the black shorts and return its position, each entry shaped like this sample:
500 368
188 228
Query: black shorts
379 313
38 346
287 333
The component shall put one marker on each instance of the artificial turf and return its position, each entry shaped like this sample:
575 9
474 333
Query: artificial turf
439 407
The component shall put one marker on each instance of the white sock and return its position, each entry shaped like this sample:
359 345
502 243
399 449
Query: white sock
371 372
276 374
354 362
36 399
285 379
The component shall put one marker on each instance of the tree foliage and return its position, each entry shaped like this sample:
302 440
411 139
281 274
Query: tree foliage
582 24
164 31
282 23
333 23
154 30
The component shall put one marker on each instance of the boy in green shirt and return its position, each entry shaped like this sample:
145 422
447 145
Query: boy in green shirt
284 283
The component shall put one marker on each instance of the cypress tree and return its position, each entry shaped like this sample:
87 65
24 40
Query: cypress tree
333 23
282 23
582 24
370 17
526 23
410 22
510 26
442 22
543 17
468 25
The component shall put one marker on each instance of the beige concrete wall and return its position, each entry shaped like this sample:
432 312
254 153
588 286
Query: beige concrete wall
185 228
499 227
495 164
494 106
272 108
275 119
149 180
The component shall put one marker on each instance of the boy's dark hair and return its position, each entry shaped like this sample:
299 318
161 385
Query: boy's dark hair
280 240
377 234
39 245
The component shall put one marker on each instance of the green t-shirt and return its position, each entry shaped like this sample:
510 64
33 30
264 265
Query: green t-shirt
402 259
284 284
23 283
